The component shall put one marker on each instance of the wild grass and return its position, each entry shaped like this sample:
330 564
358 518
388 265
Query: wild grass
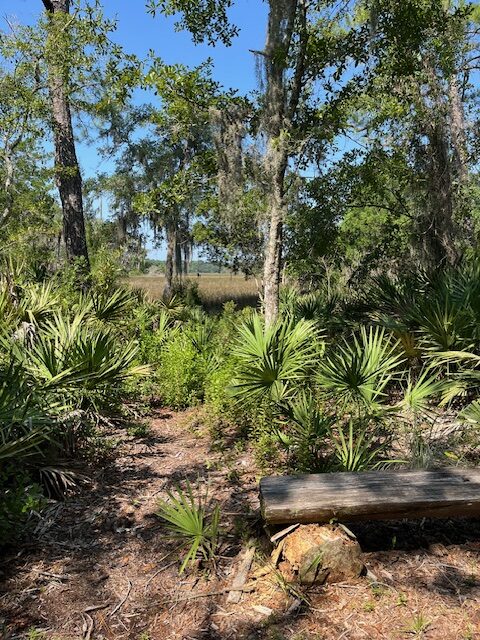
214 289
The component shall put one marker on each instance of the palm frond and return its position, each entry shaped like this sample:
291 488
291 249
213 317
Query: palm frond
358 371
419 392
191 520
272 359
111 306
358 449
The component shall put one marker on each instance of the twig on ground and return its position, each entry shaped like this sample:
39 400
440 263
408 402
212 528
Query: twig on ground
96 607
122 601
87 627
47 574
221 592
281 534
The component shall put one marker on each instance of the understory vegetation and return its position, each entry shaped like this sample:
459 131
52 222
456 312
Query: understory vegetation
387 375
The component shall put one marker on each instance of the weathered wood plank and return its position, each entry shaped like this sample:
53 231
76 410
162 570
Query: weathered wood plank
241 577
371 495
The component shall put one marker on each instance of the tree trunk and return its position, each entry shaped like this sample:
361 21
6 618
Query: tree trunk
282 98
67 170
439 230
281 19
187 257
273 250
457 130
121 227
169 262
437 227
178 256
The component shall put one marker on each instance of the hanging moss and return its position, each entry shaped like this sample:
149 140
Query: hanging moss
229 131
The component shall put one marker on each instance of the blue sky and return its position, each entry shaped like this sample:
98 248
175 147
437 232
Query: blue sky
138 32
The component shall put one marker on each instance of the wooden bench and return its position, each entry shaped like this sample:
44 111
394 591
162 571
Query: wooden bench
380 495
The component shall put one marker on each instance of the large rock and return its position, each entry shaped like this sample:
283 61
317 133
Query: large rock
321 553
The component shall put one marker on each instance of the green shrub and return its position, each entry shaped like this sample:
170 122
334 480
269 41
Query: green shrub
70 281
107 268
182 372
19 496
267 452
187 290
153 337
223 411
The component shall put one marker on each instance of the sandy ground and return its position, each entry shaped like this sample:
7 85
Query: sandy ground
101 565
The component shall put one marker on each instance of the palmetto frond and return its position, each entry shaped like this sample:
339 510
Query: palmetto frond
358 370
471 414
113 305
358 448
24 427
38 303
418 393
192 520
304 429
72 356
466 375
272 359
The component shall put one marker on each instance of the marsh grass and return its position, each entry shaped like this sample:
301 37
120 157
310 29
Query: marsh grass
214 289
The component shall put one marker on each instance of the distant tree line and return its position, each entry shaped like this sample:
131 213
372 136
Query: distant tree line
194 267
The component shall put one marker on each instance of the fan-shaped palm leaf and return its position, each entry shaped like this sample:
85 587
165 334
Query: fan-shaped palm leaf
272 359
359 370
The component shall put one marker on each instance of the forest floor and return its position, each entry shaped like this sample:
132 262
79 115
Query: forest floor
100 564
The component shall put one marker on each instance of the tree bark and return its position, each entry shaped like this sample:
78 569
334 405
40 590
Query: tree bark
281 20
187 257
457 129
178 256
437 225
67 170
169 262
121 227
439 231
273 250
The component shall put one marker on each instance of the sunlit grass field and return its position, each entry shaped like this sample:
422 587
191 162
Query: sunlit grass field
214 289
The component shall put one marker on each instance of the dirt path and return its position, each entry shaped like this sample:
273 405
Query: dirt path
101 566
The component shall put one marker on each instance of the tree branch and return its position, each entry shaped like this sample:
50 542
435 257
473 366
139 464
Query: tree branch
300 65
